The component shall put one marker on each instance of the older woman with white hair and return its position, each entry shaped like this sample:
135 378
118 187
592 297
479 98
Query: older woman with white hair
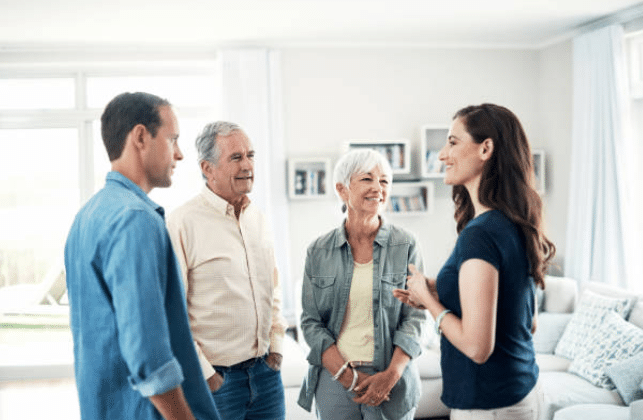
362 340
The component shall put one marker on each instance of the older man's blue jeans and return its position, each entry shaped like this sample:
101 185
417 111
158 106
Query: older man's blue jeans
251 393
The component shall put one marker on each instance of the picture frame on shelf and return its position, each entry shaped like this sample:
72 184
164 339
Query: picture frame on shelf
398 152
538 156
309 178
411 198
432 139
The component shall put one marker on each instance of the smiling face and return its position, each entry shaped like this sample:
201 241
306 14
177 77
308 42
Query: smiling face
160 159
367 192
463 157
233 175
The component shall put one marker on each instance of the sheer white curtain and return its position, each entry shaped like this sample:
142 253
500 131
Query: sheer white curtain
597 223
251 97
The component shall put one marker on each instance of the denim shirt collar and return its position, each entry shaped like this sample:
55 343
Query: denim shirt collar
381 238
127 183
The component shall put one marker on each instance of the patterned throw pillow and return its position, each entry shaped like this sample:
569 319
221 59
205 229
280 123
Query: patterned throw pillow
589 314
614 341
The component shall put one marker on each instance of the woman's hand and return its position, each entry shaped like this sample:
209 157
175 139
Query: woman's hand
375 389
419 289
404 297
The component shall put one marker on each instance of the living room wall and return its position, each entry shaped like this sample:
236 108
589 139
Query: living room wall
335 94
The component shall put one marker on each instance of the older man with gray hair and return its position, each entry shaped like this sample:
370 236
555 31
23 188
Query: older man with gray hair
233 291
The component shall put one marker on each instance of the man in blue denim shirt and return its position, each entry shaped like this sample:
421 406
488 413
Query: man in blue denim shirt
132 341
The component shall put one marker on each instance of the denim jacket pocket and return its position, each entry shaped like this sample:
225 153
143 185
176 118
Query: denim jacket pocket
389 283
323 291
322 281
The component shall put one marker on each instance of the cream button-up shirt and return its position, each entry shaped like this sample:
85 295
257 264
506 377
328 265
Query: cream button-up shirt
231 281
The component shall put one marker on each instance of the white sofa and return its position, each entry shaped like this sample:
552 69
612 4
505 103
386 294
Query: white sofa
567 395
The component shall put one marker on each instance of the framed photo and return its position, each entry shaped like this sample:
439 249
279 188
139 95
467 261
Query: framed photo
539 169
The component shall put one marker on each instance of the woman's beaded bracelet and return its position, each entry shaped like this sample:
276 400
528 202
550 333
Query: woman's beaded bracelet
438 321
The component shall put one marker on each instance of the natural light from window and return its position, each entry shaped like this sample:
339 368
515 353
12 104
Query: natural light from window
54 160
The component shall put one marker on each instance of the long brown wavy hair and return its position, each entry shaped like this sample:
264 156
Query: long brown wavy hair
507 181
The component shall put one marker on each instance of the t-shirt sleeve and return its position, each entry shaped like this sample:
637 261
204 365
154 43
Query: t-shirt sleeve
476 243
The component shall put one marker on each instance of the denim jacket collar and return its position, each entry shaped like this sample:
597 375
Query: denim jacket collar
381 238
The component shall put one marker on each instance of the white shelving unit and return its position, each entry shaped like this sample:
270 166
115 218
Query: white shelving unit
398 152
408 198
309 178
432 139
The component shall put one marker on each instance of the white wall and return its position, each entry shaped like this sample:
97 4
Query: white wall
555 104
335 94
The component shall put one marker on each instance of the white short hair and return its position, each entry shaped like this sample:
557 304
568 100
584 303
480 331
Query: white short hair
359 161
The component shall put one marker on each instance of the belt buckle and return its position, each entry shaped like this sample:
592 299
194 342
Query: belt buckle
359 363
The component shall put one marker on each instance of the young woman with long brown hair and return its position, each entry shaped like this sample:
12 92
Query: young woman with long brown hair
483 300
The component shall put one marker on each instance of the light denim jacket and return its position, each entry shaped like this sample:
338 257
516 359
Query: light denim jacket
325 291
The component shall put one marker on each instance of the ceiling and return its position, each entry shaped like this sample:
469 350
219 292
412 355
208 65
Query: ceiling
198 23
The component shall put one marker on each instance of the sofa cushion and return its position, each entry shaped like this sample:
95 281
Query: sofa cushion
551 362
589 314
593 412
614 341
636 409
560 294
428 363
627 375
562 389
549 329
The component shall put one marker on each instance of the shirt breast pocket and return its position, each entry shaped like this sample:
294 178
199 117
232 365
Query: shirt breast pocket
389 283
323 291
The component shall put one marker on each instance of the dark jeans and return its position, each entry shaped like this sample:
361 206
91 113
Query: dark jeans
251 393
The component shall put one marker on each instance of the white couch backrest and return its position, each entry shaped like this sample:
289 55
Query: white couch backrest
636 315
560 294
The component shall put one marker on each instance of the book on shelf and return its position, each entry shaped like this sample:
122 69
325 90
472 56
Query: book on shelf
300 182
394 153
407 203
433 163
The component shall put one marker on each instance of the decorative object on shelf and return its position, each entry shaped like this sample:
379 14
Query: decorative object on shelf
539 169
398 152
411 198
432 139
308 178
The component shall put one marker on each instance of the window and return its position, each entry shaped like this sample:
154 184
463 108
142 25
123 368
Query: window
53 158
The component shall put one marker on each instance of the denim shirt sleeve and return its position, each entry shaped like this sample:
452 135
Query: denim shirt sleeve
409 330
135 267
313 325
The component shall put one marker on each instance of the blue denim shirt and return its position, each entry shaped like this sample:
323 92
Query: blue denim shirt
129 321
325 291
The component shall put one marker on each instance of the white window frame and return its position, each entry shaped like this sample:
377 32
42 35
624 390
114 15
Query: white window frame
81 116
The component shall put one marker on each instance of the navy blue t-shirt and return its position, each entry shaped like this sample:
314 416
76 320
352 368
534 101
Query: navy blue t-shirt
511 371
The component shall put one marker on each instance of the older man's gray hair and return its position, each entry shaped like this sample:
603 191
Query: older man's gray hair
206 141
